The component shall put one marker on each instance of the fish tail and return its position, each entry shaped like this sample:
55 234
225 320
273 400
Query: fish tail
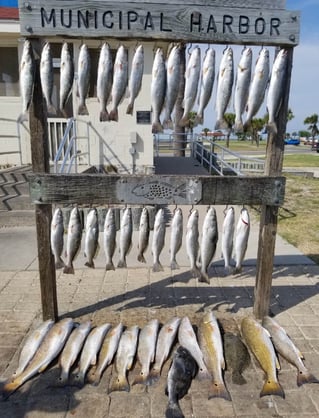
82 109
168 123
228 270
239 126
272 388
109 266
272 127
68 269
141 379
173 410
141 258
157 266
90 264
130 107
51 109
104 116
174 265
237 269
64 378
119 384
306 377
9 388
114 115
203 277
203 374
246 125
94 377
184 121
59 264
23 117
238 379
221 124
199 119
157 127
154 376
122 264
79 379
195 272
219 390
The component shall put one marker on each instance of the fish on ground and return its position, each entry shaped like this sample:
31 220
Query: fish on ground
210 342
241 239
176 237
165 340
236 357
50 348
259 343
91 242
46 77
208 243
172 86
135 80
124 359
66 76
182 371
104 80
224 87
192 75
158 239
83 82
120 79
73 240
143 235
126 232
206 84
257 86
89 352
276 89
106 353
26 79
192 245
72 349
146 350
287 349
57 237
242 87
31 346
187 338
109 239
228 238
158 90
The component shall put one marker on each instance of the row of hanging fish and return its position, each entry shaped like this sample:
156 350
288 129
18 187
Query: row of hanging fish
113 80
84 353
197 249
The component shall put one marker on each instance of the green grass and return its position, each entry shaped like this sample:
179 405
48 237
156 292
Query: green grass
301 160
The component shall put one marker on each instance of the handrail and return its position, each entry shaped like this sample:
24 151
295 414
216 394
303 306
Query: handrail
18 136
70 125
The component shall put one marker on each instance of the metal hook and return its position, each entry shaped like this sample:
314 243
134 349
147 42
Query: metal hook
191 209
175 209
225 210
225 49
207 49
189 48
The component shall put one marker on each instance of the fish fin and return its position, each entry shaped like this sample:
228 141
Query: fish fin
140 379
272 388
130 107
307 377
157 127
195 272
182 190
9 388
238 379
219 390
271 127
157 266
59 264
104 116
154 376
79 379
114 115
203 277
122 264
174 265
90 264
141 258
23 117
82 109
120 384
173 410
64 378
110 266
94 378
68 269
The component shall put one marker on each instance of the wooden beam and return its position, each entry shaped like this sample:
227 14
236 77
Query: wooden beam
269 213
159 189
43 213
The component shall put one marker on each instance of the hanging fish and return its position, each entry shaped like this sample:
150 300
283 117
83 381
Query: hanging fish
57 237
192 75
241 239
104 80
208 243
91 242
46 76
158 239
192 245
125 236
207 83
120 78
173 80
73 240
176 236
66 75
26 79
84 70
276 88
242 87
109 239
135 80
158 90
143 236
224 87
228 237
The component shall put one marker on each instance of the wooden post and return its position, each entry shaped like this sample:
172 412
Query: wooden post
43 213
269 214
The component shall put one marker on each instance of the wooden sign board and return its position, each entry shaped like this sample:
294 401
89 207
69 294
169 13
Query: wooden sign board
200 21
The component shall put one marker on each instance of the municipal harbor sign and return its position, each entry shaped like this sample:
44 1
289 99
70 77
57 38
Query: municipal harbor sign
176 21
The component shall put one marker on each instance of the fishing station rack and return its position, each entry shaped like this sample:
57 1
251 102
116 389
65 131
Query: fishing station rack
241 22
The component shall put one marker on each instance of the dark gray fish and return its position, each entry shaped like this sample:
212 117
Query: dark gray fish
181 373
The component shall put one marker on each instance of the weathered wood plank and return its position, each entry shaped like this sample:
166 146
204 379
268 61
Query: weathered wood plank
43 213
146 189
173 22
269 213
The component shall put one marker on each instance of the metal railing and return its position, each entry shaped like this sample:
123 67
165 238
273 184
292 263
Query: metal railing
17 136
165 144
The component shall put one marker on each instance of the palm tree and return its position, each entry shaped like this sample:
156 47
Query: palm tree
230 120
312 121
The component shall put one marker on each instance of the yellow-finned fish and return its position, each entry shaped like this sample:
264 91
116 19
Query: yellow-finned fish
210 342
259 343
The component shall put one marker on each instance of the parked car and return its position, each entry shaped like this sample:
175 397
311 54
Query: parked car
292 141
